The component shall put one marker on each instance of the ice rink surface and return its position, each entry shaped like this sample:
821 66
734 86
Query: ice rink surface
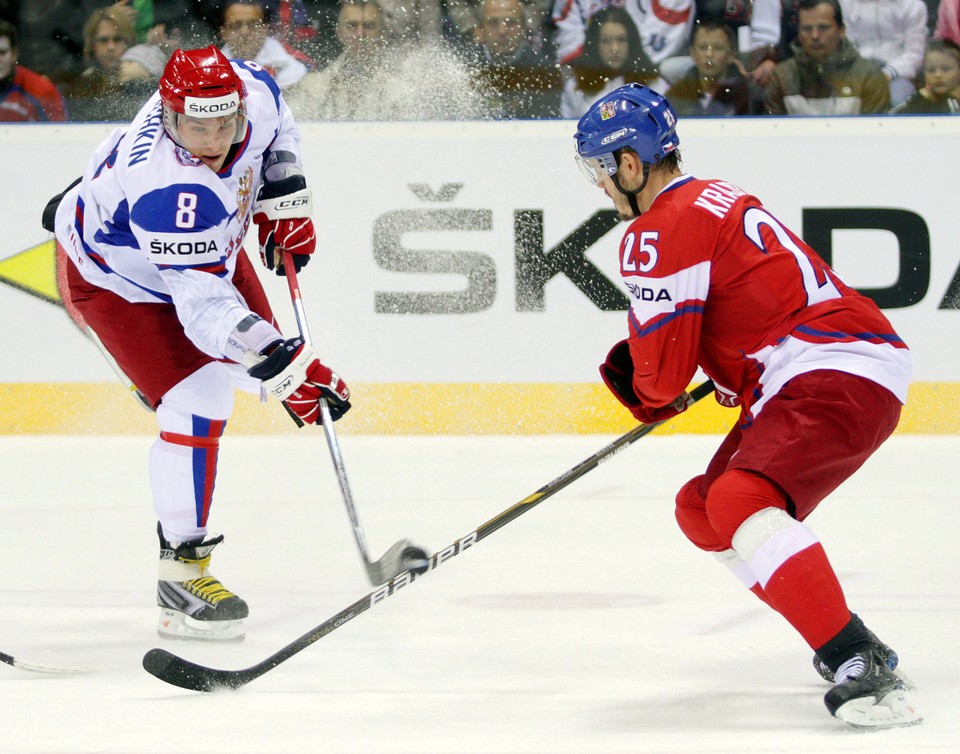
587 625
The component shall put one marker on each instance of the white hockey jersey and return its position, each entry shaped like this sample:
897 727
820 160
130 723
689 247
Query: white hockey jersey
152 223
664 25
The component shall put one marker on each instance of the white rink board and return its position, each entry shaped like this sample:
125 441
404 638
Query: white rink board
362 172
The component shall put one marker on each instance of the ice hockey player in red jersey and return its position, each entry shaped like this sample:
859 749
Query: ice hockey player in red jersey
717 283
154 235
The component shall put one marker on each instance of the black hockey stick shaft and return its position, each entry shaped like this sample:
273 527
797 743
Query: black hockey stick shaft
35 668
189 675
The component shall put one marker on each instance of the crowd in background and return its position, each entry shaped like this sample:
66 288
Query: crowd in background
99 60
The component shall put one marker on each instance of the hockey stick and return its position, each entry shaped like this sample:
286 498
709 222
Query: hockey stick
76 317
189 675
33 668
403 555
125 381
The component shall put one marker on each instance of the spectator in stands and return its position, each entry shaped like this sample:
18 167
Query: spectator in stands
98 93
940 92
466 16
174 27
142 63
51 39
826 75
756 25
377 79
306 26
179 24
756 28
245 36
716 85
612 56
107 34
522 81
25 96
948 21
664 25
891 33
51 31
411 21
334 92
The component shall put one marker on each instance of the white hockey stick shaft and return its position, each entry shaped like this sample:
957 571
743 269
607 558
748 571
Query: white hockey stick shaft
392 563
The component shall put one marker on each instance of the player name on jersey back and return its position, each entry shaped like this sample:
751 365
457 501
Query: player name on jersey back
718 197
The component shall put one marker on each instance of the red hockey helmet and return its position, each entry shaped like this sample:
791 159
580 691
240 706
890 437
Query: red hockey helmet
201 83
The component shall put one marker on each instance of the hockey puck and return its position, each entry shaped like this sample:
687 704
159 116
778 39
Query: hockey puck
415 559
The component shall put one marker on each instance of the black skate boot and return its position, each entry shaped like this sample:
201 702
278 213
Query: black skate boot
867 694
886 654
194 604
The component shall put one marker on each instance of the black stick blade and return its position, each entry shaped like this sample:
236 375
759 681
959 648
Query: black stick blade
188 675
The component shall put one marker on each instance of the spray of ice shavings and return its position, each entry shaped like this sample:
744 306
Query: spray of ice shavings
406 82
430 82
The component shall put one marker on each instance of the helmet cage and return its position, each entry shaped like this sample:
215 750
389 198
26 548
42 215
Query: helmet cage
596 167
171 122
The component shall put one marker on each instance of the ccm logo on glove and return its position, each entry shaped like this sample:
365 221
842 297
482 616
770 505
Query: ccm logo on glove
292 372
288 204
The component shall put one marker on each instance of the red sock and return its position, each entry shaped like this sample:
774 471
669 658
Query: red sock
793 574
758 590
805 590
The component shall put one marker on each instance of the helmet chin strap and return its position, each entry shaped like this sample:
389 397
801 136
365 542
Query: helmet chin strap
632 195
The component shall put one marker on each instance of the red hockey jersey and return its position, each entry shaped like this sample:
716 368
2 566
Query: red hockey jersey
715 281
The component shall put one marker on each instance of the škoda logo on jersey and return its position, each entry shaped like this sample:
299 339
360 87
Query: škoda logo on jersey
643 293
182 248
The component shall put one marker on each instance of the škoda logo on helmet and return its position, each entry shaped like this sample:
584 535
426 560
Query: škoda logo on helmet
209 107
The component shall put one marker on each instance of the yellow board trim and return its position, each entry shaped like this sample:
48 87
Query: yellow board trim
33 271
425 409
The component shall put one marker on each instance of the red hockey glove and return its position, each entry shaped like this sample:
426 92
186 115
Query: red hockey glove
726 398
282 214
646 415
296 236
617 375
293 373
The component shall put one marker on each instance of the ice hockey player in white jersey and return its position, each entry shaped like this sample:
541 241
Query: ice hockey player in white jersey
154 237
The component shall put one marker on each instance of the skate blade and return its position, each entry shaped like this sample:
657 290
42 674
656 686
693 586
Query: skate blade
894 710
181 627
905 681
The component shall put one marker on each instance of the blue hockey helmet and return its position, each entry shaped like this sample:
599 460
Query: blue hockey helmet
632 116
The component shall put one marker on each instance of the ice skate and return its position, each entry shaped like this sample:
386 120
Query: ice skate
868 695
194 604
886 654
